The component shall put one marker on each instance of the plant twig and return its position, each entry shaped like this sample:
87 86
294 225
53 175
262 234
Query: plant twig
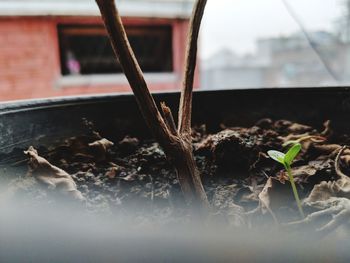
168 118
185 110
177 148
131 68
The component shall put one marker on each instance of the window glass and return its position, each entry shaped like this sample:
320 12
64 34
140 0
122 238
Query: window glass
86 49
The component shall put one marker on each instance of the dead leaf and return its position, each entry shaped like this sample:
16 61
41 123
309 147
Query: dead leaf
314 172
99 148
329 199
304 171
306 140
329 189
299 128
291 127
51 176
326 190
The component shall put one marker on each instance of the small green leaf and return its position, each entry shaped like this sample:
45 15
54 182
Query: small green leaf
292 153
277 156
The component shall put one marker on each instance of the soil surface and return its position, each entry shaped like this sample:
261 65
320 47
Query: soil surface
132 177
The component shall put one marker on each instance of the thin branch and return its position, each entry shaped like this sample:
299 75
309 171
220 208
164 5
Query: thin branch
185 110
132 70
168 118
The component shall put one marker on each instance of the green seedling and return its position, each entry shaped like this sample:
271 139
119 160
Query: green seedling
286 160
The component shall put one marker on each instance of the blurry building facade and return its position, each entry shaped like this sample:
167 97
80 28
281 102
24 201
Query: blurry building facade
280 62
60 47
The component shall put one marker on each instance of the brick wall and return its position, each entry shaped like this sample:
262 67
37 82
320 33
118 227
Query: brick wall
28 59
30 65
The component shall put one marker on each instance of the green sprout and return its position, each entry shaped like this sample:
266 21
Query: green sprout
287 159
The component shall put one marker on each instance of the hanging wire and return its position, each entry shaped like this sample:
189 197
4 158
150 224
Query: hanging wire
312 44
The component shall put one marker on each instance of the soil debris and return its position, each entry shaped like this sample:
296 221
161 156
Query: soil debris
134 177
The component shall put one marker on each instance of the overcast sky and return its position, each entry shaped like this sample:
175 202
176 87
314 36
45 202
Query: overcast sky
235 24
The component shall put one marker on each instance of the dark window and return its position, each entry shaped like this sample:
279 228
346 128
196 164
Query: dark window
86 49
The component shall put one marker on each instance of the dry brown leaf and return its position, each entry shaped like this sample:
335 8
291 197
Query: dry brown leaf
51 176
314 172
102 143
304 171
328 189
299 128
325 190
100 147
306 140
322 191
291 127
330 199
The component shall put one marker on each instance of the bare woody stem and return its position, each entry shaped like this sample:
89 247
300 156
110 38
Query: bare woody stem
178 148
185 110
131 68
185 107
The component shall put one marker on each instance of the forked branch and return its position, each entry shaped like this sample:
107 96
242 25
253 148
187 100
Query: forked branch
178 147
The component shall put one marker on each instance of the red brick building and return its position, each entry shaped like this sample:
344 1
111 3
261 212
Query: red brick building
58 48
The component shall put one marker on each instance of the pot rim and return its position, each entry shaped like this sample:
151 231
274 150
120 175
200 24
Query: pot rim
52 102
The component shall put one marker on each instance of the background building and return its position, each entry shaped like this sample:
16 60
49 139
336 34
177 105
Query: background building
318 57
282 61
59 47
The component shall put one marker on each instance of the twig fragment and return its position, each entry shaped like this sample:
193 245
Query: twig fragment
168 118
185 110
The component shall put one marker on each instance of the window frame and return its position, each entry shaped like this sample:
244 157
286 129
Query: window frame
96 80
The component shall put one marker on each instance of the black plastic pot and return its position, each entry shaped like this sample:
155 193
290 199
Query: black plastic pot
42 122
46 122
